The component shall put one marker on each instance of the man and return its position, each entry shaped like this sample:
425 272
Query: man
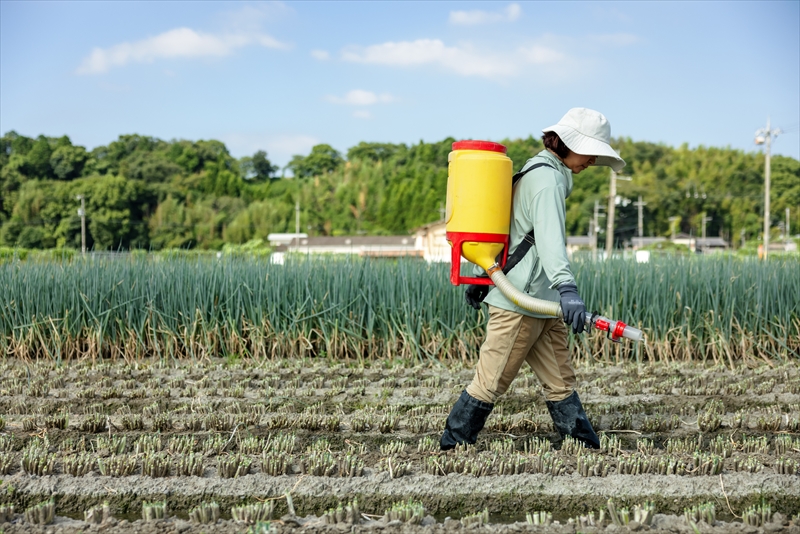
514 335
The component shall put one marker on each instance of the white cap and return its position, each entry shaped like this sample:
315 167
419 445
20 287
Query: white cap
588 132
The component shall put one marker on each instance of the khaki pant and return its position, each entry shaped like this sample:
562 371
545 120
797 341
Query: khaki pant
513 338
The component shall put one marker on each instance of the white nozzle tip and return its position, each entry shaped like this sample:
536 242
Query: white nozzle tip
634 334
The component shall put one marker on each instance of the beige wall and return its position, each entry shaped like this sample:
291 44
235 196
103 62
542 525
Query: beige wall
432 240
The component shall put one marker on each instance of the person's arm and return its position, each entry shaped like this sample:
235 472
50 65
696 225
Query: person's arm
549 214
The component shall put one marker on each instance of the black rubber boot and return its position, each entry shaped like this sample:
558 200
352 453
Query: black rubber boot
466 419
570 420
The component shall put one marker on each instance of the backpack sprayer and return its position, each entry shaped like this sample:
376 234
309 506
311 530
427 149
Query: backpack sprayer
479 191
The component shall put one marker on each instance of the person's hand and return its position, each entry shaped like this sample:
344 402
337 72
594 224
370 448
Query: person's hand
475 294
573 307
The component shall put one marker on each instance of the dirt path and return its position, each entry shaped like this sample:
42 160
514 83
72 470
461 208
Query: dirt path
661 524
454 494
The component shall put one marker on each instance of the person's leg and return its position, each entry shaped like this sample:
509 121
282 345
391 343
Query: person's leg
509 337
549 359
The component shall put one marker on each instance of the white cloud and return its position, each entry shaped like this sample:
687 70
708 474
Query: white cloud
557 58
176 43
321 55
475 17
460 59
540 55
250 17
554 60
362 114
565 59
359 97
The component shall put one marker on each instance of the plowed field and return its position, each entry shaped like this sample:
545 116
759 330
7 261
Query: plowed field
330 433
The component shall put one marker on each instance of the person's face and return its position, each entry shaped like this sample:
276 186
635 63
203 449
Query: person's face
577 162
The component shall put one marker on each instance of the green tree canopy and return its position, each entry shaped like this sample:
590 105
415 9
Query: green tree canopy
322 160
257 168
142 191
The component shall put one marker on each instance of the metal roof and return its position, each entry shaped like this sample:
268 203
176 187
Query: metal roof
354 241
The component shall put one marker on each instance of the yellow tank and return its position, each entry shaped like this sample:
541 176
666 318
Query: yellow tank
478 205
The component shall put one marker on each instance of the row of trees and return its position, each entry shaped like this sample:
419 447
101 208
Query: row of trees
143 192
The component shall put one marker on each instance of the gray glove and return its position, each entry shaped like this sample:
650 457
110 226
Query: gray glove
573 307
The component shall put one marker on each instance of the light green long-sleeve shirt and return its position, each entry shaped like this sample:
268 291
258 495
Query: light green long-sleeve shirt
539 203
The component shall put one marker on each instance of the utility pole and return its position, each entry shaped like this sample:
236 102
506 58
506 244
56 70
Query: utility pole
612 195
297 217
640 204
705 220
82 214
788 228
612 198
672 221
764 136
594 227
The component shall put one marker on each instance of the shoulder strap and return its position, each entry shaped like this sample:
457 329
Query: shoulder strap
520 174
530 238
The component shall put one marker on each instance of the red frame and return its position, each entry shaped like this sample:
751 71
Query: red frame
457 239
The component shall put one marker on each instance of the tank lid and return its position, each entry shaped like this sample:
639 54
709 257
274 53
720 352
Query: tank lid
489 146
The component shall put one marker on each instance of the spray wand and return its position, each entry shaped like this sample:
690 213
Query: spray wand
615 329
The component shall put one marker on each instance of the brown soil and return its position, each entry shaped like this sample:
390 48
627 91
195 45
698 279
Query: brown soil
621 400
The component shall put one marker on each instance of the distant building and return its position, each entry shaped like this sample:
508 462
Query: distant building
694 244
373 246
428 242
709 245
685 240
276 240
431 239
642 242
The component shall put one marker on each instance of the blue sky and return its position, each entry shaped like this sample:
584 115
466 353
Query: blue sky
284 76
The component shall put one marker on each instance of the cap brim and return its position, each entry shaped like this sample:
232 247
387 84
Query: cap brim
588 146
